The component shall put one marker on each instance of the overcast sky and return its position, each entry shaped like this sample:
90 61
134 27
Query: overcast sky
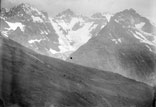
146 8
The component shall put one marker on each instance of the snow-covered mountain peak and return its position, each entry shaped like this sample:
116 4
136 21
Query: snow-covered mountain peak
136 26
56 37
128 17
66 13
24 10
24 5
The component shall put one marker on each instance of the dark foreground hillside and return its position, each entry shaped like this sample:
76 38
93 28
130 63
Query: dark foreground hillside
31 80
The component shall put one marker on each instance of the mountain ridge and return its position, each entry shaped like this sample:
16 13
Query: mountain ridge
62 37
56 37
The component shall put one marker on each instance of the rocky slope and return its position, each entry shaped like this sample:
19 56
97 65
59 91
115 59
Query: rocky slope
126 45
28 79
56 37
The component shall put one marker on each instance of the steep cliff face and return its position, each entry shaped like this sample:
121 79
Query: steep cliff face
31 80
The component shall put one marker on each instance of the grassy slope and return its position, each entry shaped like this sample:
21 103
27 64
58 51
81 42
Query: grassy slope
31 80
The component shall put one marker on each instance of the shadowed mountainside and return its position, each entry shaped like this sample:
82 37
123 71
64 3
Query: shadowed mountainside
31 80
126 45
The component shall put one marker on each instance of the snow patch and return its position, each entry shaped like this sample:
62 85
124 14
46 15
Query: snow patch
63 42
35 40
143 39
140 25
117 21
81 36
5 33
119 40
108 16
141 36
43 32
14 26
53 51
37 19
116 40
2 18
103 26
93 27
73 39
149 48
154 39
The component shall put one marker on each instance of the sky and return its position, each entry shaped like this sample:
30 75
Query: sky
146 8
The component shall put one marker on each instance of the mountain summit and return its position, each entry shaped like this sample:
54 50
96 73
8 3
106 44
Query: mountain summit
66 13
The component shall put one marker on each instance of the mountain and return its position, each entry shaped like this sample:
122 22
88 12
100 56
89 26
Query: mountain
126 45
29 27
56 37
28 79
